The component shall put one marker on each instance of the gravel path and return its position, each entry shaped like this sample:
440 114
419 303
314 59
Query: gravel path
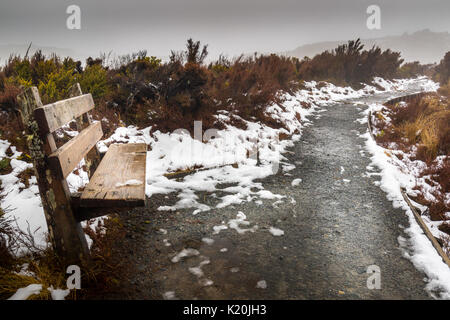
336 223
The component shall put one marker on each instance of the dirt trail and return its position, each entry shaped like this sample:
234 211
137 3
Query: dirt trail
336 223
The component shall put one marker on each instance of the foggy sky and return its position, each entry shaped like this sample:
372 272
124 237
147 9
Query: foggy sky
230 27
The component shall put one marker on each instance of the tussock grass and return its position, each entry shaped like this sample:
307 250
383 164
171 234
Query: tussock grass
423 123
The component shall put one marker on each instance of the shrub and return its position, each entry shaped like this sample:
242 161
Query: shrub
57 86
412 69
93 80
442 70
349 64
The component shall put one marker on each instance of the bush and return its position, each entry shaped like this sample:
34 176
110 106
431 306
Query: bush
412 69
94 80
349 64
442 70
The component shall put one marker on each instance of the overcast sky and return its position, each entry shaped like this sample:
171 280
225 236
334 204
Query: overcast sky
228 26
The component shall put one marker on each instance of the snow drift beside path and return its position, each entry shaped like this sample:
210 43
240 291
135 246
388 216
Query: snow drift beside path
417 248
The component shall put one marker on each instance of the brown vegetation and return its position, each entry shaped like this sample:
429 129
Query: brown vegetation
421 129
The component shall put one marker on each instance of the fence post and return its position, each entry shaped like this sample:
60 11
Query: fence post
66 234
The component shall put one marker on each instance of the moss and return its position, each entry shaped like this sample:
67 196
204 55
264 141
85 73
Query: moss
5 166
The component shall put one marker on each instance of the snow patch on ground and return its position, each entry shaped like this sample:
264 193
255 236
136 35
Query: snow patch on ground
276 232
25 293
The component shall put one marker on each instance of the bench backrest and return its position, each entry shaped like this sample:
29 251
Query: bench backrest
53 116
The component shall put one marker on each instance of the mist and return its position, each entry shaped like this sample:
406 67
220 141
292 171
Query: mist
229 27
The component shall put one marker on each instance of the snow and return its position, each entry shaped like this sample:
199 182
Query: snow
241 220
218 150
132 182
217 229
20 203
189 252
262 284
224 155
208 241
169 295
205 282
25 293
197 271
417 246
276 232
162 231
59 294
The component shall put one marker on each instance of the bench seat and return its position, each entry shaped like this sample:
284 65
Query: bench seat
119 180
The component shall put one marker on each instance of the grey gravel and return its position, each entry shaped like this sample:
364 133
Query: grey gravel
332 233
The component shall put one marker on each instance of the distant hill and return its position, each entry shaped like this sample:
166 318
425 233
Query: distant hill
425 46
21 49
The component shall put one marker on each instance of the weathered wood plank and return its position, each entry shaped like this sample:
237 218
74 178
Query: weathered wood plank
65 232
119 180
92 159
66 158
53 116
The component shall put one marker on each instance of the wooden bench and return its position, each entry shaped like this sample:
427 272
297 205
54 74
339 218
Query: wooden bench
116 182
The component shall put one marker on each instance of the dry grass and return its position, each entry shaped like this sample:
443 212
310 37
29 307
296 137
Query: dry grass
100 276
423 124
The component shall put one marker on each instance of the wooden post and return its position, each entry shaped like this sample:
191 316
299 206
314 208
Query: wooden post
66 234
93 158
